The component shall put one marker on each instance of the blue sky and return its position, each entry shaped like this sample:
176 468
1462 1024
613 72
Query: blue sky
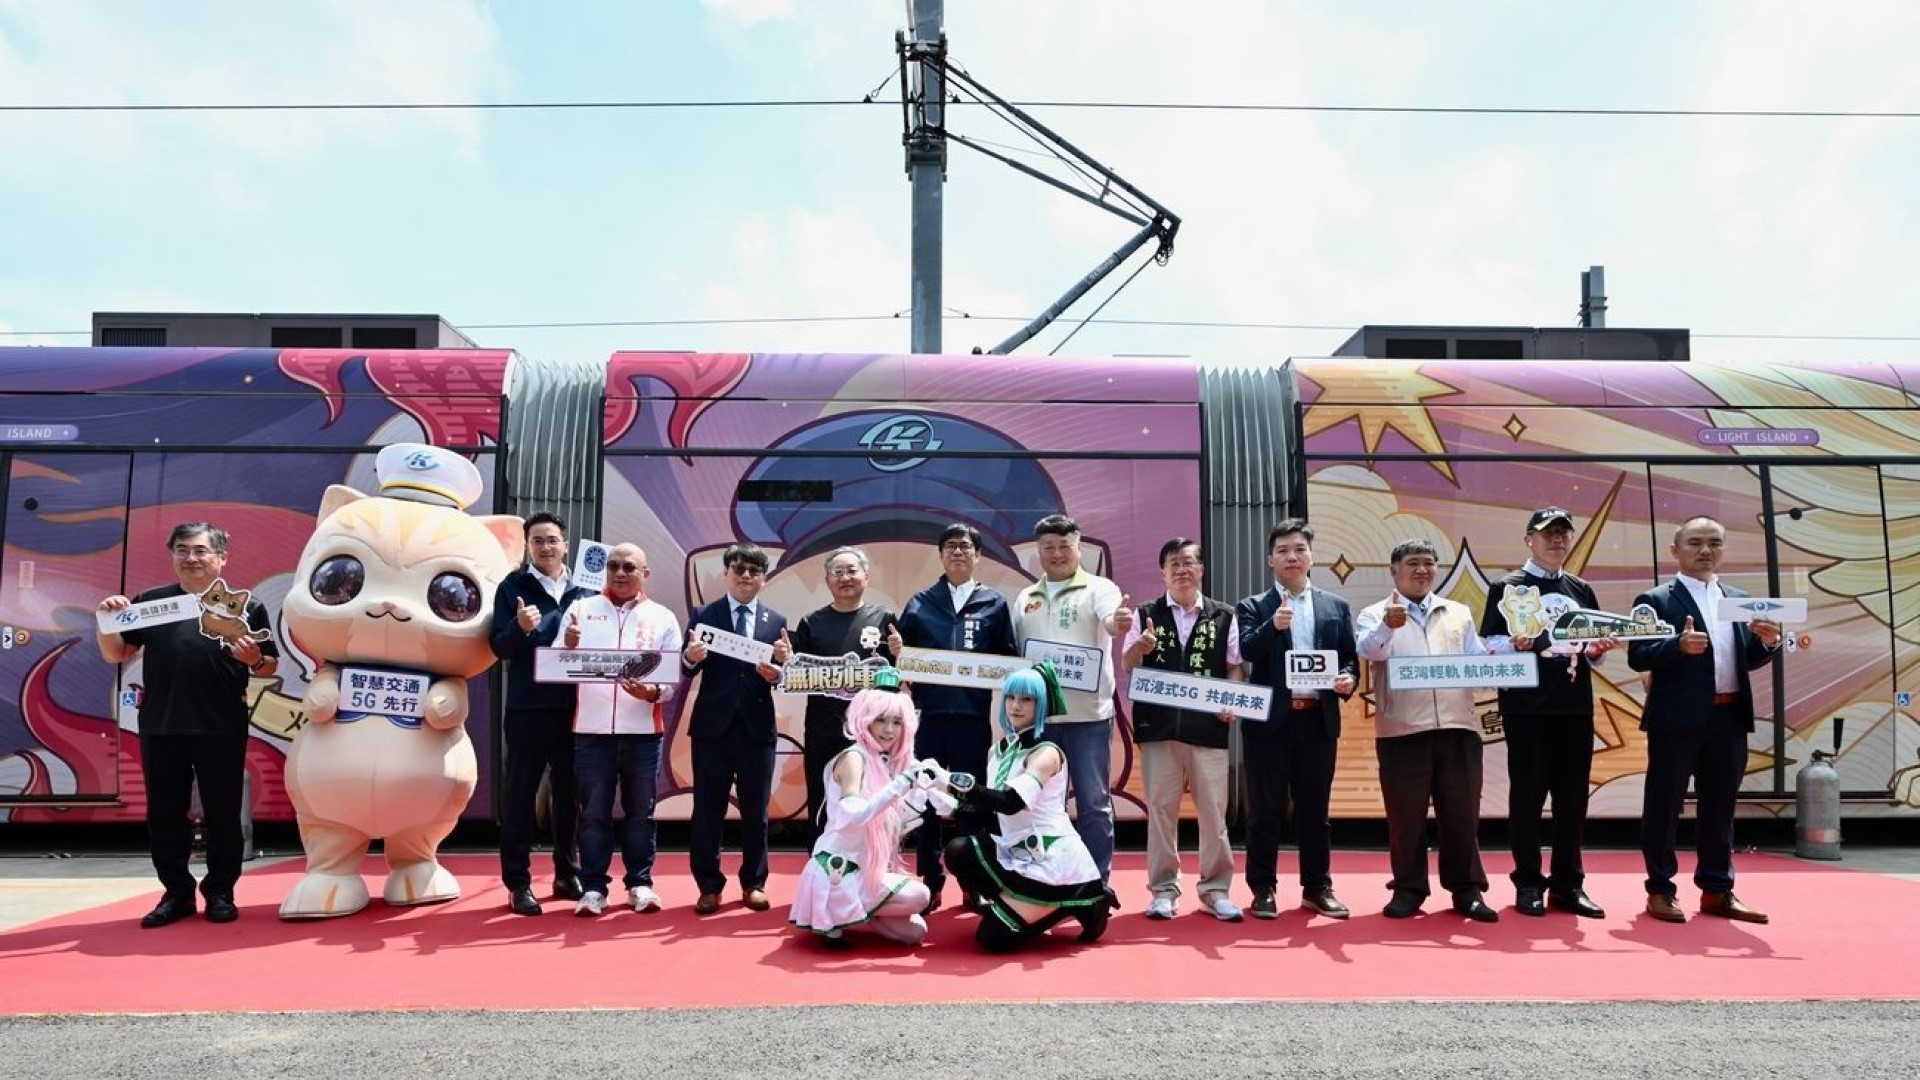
1729 226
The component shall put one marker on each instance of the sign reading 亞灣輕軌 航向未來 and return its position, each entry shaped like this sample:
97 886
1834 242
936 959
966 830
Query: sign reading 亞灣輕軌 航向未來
1463 672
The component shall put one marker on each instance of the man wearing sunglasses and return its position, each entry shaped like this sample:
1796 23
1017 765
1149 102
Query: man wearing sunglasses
733 731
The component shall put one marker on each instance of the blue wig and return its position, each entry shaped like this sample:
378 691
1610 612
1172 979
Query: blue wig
1025 683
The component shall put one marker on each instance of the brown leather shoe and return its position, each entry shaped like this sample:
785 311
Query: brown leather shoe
1728 906
1665 908
756 900
708 903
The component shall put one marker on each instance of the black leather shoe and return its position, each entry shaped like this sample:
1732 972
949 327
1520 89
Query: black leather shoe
1404 905
221 909
1473 907
522 902
567 888
1529 902
1577 902
1264 905
1324 902
170 909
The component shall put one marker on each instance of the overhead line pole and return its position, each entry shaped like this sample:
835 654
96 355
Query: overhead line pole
924 92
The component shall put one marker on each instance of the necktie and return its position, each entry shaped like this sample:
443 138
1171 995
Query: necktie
740 619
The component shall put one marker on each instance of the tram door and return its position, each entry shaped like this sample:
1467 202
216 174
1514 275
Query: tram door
64 521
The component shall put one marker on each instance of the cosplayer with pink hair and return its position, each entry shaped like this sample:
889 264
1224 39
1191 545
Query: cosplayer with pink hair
854 877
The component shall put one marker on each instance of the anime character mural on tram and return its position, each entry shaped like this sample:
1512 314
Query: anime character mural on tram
103 451
1815 471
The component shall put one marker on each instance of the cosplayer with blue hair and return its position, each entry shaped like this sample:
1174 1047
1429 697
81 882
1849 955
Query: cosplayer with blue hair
853 878
1034 871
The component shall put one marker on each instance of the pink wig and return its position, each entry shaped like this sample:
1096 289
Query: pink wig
882 846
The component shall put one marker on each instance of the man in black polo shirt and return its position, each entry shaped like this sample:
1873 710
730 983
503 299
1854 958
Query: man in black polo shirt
848 626
193 725
1549 729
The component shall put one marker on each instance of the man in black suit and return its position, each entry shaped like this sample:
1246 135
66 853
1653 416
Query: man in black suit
539 716
1698 715
1292 753
733 731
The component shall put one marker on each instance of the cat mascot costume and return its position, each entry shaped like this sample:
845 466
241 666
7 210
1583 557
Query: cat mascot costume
392 601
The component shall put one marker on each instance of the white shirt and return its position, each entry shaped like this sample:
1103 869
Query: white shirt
605 708
1706 595
961 593
556 586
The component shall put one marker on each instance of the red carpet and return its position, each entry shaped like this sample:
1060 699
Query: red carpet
1836 934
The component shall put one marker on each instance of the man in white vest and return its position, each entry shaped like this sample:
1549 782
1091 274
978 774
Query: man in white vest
1428 741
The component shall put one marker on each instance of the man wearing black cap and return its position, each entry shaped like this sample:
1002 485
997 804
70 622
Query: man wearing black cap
960 613
1549 729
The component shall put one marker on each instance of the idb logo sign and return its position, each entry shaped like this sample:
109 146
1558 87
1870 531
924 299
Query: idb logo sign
1312 669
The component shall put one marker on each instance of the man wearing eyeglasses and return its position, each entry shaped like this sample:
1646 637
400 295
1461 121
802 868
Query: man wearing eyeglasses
539 716
846 626
733 731
960 613
193 726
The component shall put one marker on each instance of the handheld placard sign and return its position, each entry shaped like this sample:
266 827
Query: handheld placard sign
170 609
590 565
1078 666
1463 672
1587 624
1312 669
1248 701
1786 609
951 667
729 644
555 664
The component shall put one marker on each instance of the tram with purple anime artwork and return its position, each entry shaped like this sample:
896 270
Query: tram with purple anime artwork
1814 470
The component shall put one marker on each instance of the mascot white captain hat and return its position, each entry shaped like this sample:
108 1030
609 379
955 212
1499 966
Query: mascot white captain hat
427 474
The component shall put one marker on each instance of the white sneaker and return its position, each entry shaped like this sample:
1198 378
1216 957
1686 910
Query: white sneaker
591 904
1224 909
643 899
1161 908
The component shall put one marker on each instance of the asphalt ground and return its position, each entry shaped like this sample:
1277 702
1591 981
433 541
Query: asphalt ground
46 875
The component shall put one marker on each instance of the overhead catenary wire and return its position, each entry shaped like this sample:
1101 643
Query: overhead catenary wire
838 103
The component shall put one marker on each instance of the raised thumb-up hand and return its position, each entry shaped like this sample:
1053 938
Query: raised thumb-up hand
783 649
1123 615
527 617
573 630
1396 611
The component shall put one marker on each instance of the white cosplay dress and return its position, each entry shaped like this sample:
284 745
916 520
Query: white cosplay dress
1038 843
835 891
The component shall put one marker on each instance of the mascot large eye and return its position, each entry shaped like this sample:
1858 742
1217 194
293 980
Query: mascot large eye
337 580
454 597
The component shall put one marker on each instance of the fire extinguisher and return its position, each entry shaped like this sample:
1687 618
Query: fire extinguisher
1817 803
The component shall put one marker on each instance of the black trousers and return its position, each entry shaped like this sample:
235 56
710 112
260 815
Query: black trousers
1442 769
959 742
1714 755
824 740
739 763
172 764
1548 756
1291 758
539 741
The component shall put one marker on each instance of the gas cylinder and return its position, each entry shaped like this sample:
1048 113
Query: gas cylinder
1817 803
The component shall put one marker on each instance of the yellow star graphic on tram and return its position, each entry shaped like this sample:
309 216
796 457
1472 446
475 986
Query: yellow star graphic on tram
1382 397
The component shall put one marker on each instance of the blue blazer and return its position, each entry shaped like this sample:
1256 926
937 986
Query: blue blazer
1264 649
1680 696
732 691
